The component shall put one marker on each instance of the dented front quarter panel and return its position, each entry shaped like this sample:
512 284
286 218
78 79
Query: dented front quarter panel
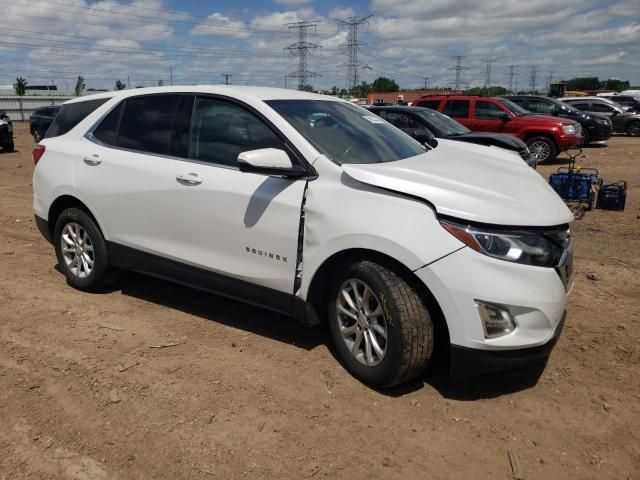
342 214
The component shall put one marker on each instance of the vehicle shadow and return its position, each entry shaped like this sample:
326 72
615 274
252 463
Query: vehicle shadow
221 310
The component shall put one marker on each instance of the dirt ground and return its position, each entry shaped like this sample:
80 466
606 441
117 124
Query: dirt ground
235 392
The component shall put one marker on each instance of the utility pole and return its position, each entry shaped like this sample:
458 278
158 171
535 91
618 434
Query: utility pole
532 78
351 47
549 80
171 74
301 49
458 69
226 76
513 73
426 80
487 71
128 81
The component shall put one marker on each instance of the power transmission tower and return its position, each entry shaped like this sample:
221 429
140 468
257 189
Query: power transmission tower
532 78
352 46
426 80
458 68
487 71
549 80
513 74
227 76
301 50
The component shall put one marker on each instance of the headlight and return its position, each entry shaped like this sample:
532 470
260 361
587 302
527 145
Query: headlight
541 248
3 122
570 129
603 121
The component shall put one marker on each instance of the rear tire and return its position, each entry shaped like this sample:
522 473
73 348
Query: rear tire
8 147
542 148
381 329
633 129
82 251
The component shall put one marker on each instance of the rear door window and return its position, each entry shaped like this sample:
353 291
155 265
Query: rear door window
457 108
580 106
541 106
72 114
147 123
602 107
399 119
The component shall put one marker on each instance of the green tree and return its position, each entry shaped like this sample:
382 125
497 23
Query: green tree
583 83
384 84
488 91
20 86
361 90
615 84
334 91
80 86
120 85
306 88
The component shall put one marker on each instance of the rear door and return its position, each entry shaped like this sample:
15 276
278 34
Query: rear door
238 224
617 119
127 171
459 110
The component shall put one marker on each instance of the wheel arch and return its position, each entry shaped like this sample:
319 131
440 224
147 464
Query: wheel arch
62 203
317 293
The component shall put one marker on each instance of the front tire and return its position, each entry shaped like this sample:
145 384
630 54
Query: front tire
633 129
543 148
381 329
586 137
82 251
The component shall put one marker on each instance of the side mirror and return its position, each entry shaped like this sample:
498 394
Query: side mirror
504 117
269 161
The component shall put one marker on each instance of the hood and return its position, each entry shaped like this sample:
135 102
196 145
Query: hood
475 184
537 119
502 140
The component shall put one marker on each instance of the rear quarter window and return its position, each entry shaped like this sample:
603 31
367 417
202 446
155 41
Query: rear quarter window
72 114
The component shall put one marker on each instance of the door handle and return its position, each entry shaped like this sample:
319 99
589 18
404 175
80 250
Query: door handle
189 179
92 161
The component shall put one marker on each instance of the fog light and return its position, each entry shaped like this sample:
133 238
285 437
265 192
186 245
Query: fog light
496 320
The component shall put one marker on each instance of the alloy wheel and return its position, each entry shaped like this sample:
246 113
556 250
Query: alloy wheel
540 150
361 322
77 250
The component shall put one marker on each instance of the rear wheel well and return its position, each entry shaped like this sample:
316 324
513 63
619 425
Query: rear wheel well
61 204
317 295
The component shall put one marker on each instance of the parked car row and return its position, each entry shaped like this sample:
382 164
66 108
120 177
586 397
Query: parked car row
623 121
545 135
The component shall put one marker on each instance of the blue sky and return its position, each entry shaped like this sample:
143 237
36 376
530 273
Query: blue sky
141 42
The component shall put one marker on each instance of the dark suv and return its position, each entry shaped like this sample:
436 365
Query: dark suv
546 136
6 132
623 121
595 128
40 120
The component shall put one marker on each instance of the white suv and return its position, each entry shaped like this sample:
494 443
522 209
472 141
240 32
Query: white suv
316 208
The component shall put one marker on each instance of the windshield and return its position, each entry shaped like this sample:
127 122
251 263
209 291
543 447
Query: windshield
513 107
346 133
445 126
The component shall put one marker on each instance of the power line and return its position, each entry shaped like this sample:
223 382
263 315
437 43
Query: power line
513 73
487 74
352 46
301 49
533 71
458 69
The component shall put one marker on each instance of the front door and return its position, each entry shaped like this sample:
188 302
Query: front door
241 225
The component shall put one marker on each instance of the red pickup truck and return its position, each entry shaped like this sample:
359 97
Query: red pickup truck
546 136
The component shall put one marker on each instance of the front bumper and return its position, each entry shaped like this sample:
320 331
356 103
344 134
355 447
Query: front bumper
536 298
599 132
470 362
566 142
